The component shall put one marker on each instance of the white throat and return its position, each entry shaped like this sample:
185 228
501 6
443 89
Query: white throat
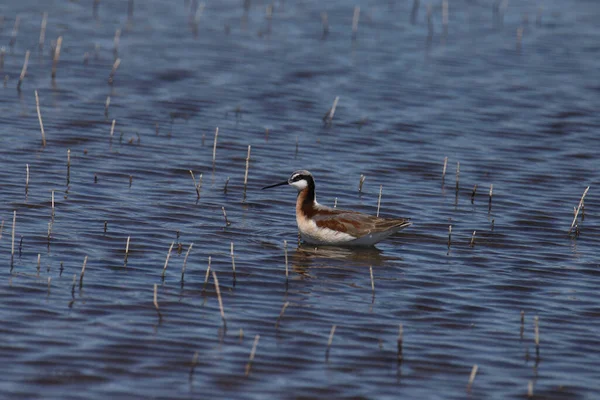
300 185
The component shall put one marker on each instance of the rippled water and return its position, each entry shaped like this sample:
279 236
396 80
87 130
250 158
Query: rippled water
518 114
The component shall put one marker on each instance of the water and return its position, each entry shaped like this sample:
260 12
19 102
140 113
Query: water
520 117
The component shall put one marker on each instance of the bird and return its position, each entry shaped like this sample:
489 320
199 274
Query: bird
322 225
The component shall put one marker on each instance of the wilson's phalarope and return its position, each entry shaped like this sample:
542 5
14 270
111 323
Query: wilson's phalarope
324 225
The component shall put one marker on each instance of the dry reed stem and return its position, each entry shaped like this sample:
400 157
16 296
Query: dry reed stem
106 105
155 302
355 19
473 239
23 71
39 260
233 263
52 201
331 333
215 145
400 340
335 203
225 187
219 298
252 354
12 249
445 166
112 128
449 235
127 250
285 253
111 77
167 260
185 260
26 179
196 185
56 56
530 389
379 199
491 194
360 182
578 209
457 175
536 330
331 113
473 193
39 113
73 284
194 363
207 272
83 271
1 229
227 223
246 173
116 40
285 305
372 280
472 377
43 30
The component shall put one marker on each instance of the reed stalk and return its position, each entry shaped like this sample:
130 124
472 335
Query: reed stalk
214 275
39 113
355 19
26 180
246 173
111 77
83 271
285 253
233 263
215 145
379 199
331 333
472 377
227 223
578 209
400 356
285 305
252 354
185 260
43 30
12 248
127 250
445 164
56 56
167 260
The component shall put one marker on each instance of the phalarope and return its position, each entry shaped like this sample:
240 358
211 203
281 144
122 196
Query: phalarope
324 225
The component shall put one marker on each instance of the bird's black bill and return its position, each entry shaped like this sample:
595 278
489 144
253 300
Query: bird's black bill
277 184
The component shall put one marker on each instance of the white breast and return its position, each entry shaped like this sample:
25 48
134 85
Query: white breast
312 234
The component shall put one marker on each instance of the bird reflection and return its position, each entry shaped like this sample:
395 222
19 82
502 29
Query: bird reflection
307 256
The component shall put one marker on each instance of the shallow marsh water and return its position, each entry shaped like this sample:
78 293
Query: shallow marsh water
521 117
